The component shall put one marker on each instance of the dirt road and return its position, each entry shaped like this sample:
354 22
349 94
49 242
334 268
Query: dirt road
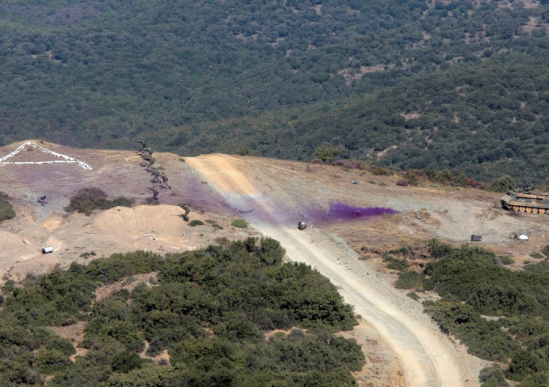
427 357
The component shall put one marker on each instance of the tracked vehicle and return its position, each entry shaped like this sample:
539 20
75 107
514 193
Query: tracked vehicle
526 202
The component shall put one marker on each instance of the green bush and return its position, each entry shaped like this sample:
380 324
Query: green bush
125 362
523 364
492 377
328 153
535 380
222 241
51 361
214 224
153 375
395 263
506 260
196 222
503 184
378 171
413 296
88 199
8 286
409 280
240 223
6 209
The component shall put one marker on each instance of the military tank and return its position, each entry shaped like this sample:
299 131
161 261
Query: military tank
526 202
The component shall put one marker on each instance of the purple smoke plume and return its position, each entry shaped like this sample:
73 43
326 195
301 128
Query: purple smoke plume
345 211
342 211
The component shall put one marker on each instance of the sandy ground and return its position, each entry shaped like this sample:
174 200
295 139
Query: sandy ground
81 238
427 357
155 228
449 213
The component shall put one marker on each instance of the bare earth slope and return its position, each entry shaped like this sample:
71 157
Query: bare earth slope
427 357
118 173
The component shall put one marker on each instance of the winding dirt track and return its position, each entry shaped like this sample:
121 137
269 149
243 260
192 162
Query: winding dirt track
426 361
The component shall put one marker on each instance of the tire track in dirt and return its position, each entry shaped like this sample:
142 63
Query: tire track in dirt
426 361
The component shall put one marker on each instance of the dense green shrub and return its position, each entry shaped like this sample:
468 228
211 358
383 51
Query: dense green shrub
118 266
240 223
523 364
492 377
413 296
535 380
483 338
503 184
88 199
505 260
328 153
6 209
214 224
395 263
51 361
125 362
492 289
196 222
8 286
409 280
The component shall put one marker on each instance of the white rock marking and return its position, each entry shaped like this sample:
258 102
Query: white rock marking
67 159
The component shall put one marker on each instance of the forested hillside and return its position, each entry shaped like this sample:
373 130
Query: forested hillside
205 311
456 84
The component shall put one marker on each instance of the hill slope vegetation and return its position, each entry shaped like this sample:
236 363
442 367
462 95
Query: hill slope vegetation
449 79
208 309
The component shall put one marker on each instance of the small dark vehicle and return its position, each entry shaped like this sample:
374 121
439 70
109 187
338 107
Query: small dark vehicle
302 225
476 238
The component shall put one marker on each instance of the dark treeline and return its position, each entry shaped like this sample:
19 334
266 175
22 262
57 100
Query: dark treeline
211 76
209 309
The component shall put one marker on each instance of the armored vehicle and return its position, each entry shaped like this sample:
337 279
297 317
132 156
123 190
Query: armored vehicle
526 202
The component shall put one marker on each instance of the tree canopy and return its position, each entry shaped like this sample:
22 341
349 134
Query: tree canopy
209 310
413 84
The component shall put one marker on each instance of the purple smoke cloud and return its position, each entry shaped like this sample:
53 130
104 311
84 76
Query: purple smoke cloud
342 211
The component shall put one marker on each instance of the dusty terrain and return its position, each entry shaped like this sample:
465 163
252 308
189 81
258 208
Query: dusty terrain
156 228
427 357
402 345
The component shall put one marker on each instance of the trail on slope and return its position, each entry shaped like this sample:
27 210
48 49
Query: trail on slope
425 359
